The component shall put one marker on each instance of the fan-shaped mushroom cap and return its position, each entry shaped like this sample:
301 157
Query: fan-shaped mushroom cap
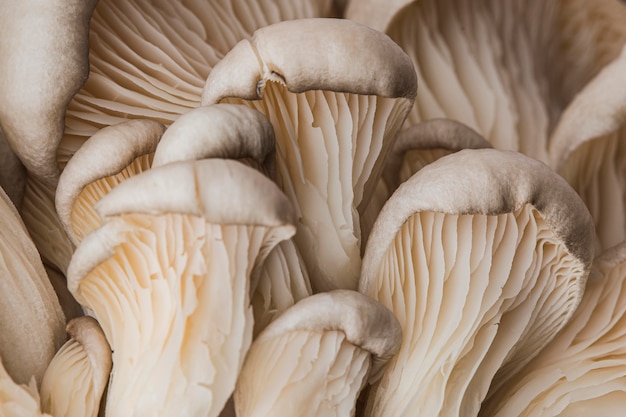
44 63
31 320
315 357
167 276
106 159
220 131
342 106
581 372
78 374
483 257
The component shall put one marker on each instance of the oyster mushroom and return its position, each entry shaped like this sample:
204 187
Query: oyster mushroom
315 357
167 276
109 157
335 114
581 372
31 319
483 257
507 69
76 378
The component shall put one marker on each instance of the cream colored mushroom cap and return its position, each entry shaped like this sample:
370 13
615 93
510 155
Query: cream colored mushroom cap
341 66
106 153
218 131
365 322
221 191
506 180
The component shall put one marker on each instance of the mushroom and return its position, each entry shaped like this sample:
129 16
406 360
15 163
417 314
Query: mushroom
482 256
31 320
416 147
76 378
587 148
581 372
12 173
506 69
17 400
109 157
167 276
236 131
342 106
315 357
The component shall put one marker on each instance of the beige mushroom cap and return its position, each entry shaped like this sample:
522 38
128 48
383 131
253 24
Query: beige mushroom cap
230 131
343 66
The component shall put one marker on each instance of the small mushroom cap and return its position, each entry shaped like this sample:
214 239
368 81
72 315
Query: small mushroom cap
507 180
229 131
342 66
365 322
104 154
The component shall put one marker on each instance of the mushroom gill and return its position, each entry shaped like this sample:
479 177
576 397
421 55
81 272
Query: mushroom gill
335 114
18 400
167 276
581 372
483 257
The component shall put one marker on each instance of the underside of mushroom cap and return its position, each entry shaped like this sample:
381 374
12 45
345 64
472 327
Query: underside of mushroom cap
347 66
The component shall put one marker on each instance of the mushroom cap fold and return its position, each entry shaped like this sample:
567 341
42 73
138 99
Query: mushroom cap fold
219 131
105 154
342 67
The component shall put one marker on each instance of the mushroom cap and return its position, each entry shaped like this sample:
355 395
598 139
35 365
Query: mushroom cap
105 154
365 322
342 67
229 131
503 189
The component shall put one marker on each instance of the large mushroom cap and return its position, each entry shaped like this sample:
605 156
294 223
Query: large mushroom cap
483 257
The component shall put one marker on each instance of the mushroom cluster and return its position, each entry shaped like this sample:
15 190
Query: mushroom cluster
351 208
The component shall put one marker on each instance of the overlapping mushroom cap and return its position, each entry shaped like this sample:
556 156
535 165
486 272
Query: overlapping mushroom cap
482 256
167 276
335 114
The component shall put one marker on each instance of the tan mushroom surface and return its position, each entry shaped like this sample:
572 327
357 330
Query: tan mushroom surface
335 114
78 374
18 400
582 371
483 257
316 356
31 320
168 275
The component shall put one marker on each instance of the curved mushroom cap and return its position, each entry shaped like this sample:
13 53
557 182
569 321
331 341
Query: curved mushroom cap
344 109
168 274
416 147
150 60
31 320
315 357
109 157
506 69
74 382
483 257
18 400
44 63
587 149
227 131
582 370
